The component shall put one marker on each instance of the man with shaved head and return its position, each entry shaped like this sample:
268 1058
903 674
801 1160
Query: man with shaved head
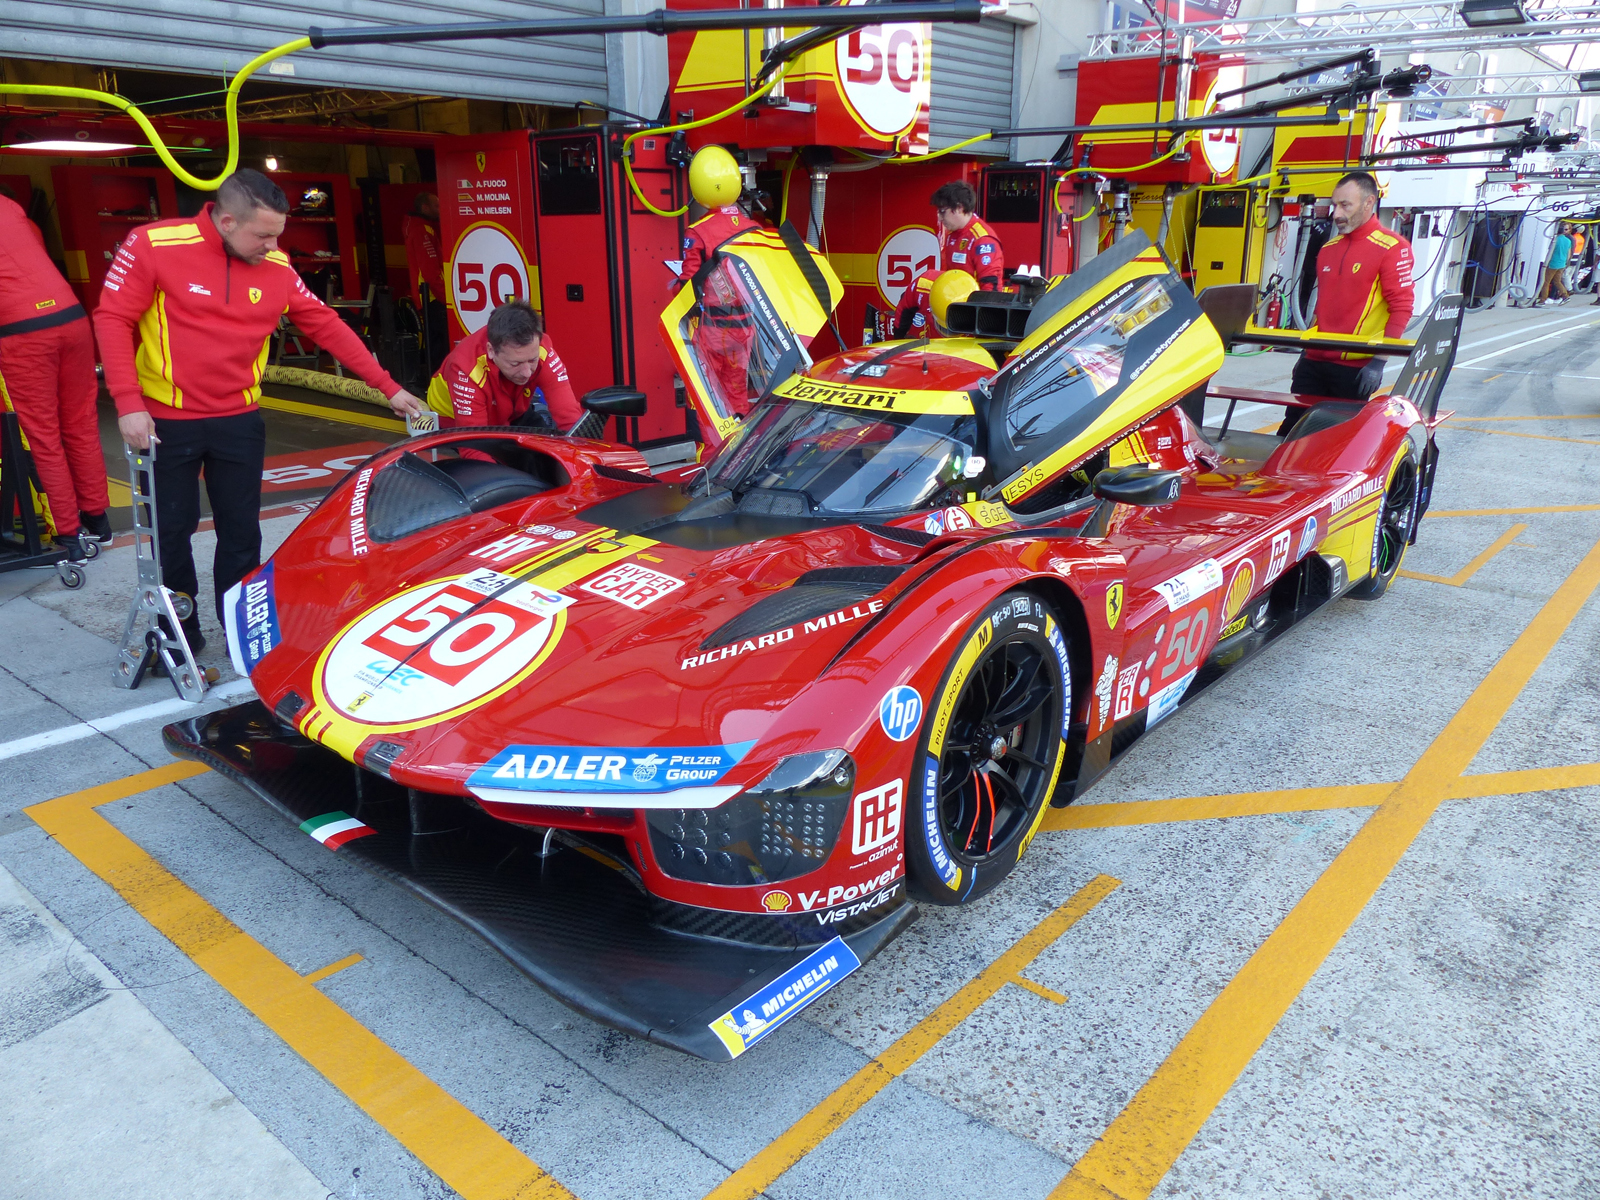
184 323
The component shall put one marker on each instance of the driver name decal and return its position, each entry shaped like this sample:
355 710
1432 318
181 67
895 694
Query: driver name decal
435 648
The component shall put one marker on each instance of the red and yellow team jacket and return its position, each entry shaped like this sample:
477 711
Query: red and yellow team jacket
184 326
32 293
974 249
1363 287
424 263
469 389
709 232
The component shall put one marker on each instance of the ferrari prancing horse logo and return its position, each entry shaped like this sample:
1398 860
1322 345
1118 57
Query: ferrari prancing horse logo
255 295
1113 605
482 160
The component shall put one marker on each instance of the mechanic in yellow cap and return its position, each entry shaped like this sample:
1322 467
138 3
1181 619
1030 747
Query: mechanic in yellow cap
725 331
924 304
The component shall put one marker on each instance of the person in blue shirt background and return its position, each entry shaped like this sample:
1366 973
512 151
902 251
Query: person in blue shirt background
1559 253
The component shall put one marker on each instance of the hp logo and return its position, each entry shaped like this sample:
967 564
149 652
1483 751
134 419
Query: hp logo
900 712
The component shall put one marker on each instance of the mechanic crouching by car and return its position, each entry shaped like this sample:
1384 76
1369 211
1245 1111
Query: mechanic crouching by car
1364 287
490 377
184 322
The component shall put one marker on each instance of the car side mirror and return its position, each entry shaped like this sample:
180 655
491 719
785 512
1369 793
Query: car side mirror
1138 484
615 401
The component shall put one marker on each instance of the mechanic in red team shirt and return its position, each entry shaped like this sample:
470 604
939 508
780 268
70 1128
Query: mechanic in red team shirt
490 377
725 331
1364 287
184 323
965 244
425 265
47 371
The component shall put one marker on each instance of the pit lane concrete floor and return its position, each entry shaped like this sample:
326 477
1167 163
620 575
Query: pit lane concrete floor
1331 931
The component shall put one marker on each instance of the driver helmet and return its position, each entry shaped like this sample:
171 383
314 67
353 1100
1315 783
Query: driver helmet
952 287
714 177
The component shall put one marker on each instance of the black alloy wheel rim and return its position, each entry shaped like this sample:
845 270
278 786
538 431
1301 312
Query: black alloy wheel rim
1394 522
996 755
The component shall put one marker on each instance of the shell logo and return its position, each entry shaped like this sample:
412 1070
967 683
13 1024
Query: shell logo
1244 580
777 901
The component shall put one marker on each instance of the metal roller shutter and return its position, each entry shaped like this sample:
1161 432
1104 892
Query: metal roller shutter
217 37
972 82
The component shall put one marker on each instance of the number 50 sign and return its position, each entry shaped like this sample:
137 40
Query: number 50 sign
884 75
486 270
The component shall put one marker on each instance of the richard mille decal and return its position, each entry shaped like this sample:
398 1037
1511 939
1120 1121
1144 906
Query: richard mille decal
855 612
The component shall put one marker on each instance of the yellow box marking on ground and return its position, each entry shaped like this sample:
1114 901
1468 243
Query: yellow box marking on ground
806 1134
342 415
1140 1146
1210 808
332 968
1038 989
1541 417
1514 512
1473 567
1538 437
443 1133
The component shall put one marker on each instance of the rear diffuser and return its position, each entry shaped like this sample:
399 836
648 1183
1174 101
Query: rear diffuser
576 925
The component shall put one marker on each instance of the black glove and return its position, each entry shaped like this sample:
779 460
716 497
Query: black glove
1371 378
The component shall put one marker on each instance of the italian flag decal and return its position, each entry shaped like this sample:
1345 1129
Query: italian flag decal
335 829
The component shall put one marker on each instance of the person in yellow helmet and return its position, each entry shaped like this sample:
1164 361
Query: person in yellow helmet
725 331
923 305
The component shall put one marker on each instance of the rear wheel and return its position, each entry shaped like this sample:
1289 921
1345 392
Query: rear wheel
1396 519
990 751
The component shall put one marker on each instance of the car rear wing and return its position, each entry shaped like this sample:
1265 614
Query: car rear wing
1429 356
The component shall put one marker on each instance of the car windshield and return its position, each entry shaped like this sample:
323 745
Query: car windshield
845 461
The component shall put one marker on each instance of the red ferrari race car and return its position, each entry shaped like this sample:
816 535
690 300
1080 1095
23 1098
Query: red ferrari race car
685 750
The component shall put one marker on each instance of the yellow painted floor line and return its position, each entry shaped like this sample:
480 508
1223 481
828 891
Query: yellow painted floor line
1038 989
452 1141
1538 437
1210 808
1513 512
1511 783
1140 1146
1473 567
332 968
806 1134
1544 417
344 416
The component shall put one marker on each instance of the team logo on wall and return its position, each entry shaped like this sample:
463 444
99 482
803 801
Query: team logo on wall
483 161
441 647
905 254
884 75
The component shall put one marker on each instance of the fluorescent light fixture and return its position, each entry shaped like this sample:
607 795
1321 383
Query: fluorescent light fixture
1588 81
1485 14
67 146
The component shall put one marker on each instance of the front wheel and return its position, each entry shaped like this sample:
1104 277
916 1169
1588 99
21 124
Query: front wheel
990 751
1392 535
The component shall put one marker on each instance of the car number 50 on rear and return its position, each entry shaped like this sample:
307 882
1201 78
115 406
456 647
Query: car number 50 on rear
440 649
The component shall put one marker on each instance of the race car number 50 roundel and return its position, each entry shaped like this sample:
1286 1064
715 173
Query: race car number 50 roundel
440 649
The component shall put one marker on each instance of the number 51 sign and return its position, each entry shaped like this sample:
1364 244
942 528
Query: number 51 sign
486 270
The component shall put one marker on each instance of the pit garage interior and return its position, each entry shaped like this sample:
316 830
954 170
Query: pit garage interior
1330 931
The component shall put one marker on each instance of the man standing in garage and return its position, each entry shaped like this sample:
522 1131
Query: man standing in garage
1364 288
47 370
184 322
965 244
490 377
425 265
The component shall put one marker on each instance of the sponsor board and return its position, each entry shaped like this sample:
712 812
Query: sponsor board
632 584
608 770
250 612
1279 558
876 817
1308 539
1164 702
856 612
764 1010
1190 585
900 712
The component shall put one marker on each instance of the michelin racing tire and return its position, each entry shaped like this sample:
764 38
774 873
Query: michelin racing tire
990 751
1397 519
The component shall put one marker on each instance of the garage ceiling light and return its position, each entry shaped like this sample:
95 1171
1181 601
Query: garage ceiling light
1589 81
1484 14
69 146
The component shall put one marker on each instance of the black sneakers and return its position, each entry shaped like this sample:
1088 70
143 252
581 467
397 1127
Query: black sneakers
97 526
73 547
